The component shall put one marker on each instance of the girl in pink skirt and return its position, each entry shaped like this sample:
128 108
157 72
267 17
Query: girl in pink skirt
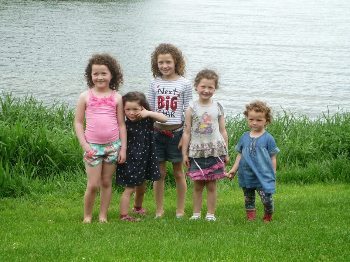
204 147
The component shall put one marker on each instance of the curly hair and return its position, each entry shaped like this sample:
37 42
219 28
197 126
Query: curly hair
138 97
207 74
113 66
259 106
176 54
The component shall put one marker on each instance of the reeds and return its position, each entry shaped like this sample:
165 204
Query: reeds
35 142
312 150
38 142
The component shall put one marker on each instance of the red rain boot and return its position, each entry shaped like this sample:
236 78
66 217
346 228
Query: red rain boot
267 218
251 214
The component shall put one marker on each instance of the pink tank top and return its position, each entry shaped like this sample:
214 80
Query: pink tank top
101 119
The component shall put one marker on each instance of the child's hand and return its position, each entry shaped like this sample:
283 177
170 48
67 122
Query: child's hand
87 148
180 144
231 174
122 156
186 161
143 113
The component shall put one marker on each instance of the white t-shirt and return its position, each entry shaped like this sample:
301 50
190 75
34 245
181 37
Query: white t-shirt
206 139
170 97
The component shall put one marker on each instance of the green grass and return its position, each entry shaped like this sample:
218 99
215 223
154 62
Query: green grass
311 223
42 184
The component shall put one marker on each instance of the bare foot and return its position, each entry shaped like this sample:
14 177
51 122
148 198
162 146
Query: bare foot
103 220
87 220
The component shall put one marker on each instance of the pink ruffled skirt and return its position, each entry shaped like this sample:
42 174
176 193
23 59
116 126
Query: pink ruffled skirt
207 168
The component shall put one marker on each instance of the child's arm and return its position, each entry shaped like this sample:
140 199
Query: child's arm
79 121
274 163
122 129
154 115
223 132
231 174
186 135
187 96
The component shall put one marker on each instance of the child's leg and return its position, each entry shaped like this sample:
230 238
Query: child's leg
198 186
158 187
93 184
125 201
108 170
181 188
211 196
249 199
267 200
139 195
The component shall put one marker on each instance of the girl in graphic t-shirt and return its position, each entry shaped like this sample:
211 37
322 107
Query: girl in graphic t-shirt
169 93
103 137
204 145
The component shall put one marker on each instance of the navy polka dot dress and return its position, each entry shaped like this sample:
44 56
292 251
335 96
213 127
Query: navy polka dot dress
141 160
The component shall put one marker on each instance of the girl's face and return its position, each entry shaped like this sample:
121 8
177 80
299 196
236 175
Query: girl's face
101 76
205 89
256 121
132 110
166 66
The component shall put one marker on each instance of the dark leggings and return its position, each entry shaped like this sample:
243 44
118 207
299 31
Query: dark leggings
266 199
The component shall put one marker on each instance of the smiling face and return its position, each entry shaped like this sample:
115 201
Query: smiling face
205 89
166 66
256 121
132 109
101 76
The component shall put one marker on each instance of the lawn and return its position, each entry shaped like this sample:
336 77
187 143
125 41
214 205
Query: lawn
42 185
311 223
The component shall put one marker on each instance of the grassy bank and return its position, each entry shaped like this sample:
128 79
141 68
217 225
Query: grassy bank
38 143
310 224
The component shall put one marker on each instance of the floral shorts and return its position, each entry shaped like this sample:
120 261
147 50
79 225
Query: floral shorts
102 152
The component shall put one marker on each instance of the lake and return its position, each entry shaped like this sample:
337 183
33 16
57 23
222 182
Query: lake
293 54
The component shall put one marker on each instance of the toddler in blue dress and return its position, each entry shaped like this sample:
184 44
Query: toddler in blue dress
256 160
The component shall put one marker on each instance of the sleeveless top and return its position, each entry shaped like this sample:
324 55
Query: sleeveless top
101 119
206 139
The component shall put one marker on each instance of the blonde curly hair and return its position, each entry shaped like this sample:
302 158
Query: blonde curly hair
259 106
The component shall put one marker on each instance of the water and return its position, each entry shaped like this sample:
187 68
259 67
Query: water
294 54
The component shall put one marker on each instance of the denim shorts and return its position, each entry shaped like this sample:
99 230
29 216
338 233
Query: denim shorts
167 146
102 152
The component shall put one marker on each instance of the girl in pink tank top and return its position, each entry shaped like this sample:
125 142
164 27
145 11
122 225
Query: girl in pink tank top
100 127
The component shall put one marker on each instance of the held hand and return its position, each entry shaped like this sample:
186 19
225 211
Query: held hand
231 174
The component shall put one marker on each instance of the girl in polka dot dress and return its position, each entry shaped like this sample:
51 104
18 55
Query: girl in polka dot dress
141 161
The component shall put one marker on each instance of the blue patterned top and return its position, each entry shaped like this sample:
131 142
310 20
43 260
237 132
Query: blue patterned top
255 167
